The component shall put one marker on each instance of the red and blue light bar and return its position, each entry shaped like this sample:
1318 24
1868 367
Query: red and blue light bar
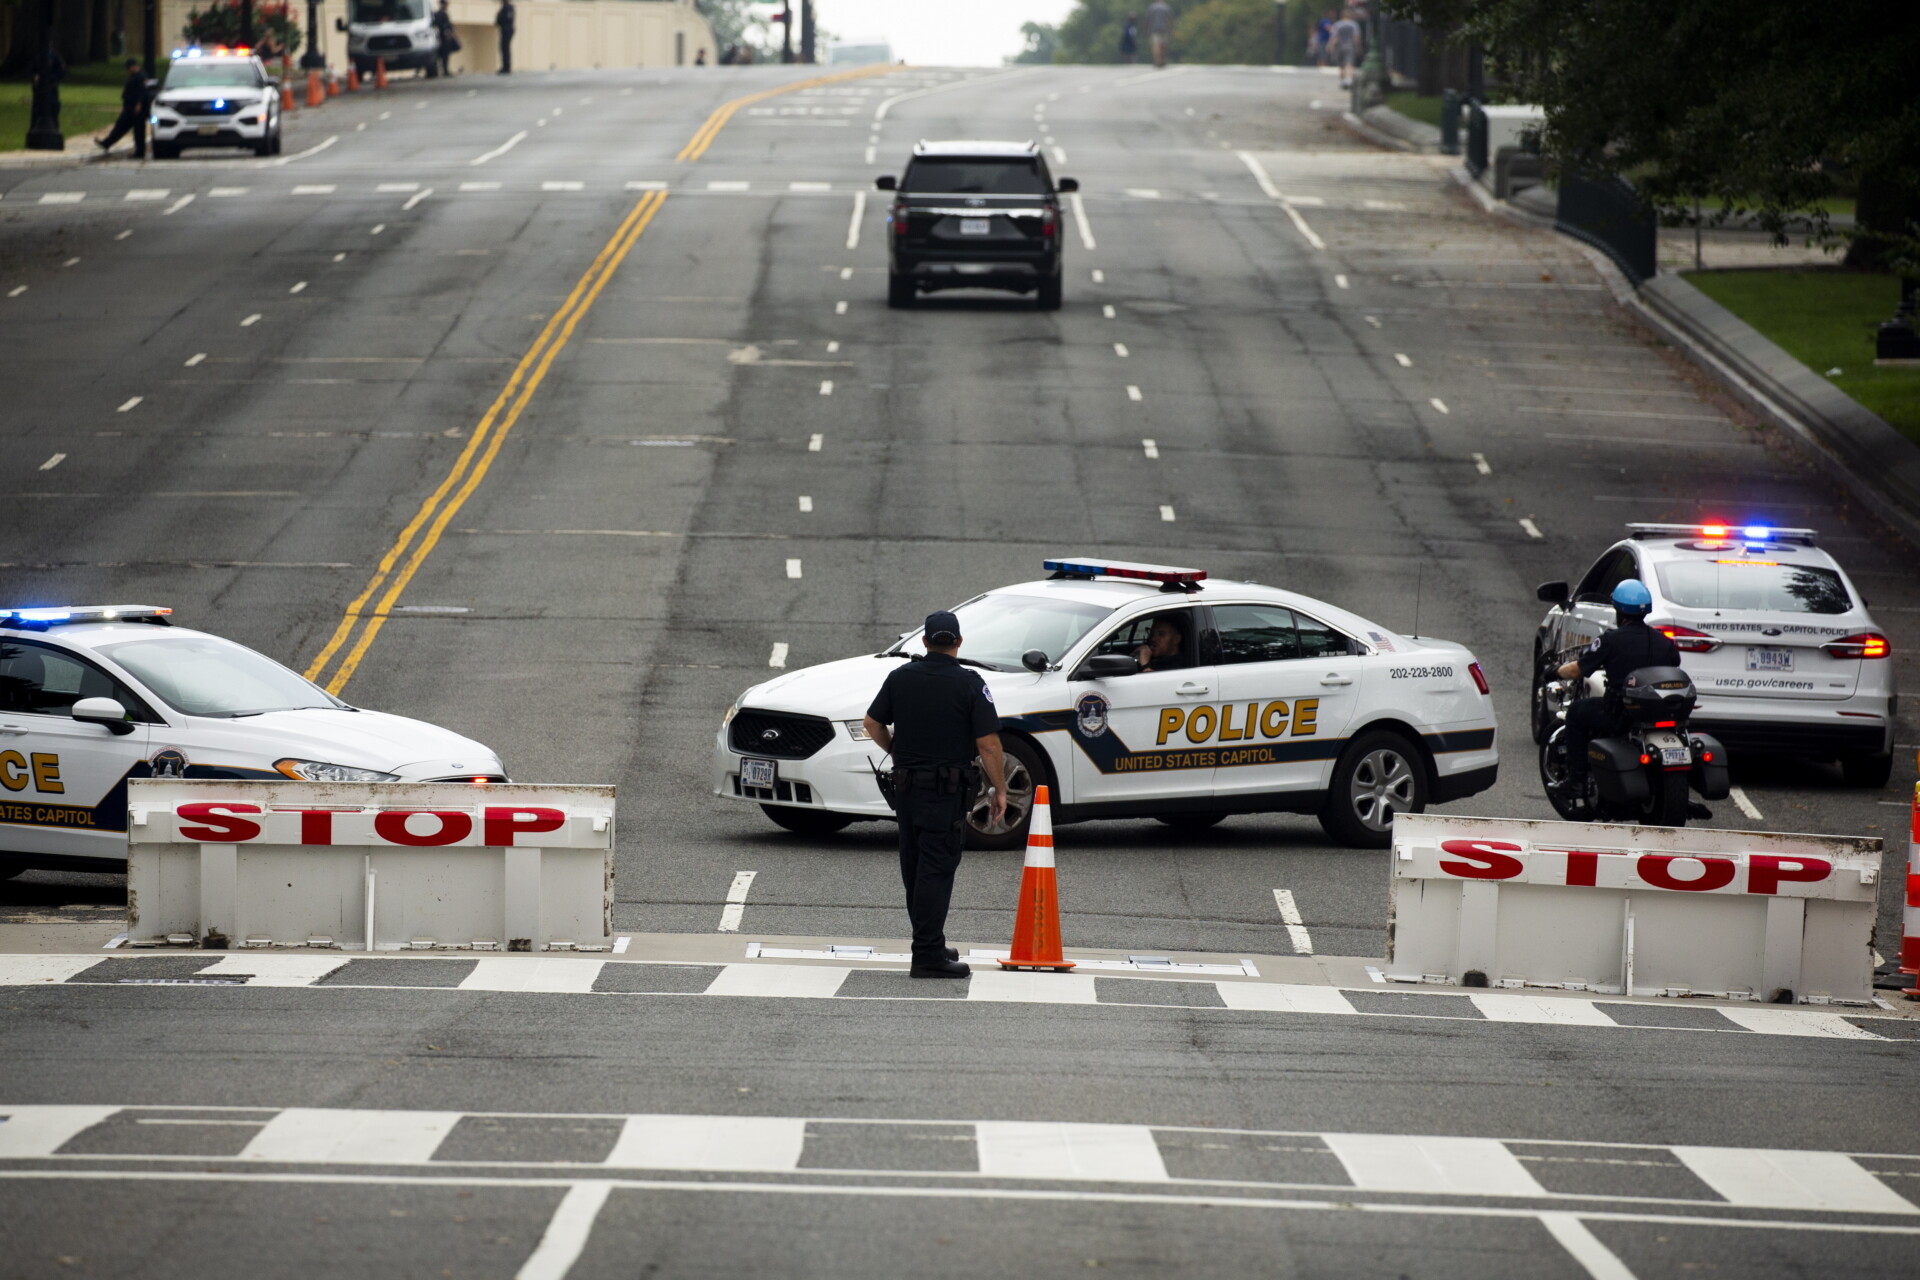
39 619
1165 575
1718 531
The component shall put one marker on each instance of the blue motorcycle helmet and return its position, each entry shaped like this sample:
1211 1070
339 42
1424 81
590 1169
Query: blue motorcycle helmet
1631 599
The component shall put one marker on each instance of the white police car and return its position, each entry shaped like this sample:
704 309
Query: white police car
1273 702
90 697
217 97
1782 651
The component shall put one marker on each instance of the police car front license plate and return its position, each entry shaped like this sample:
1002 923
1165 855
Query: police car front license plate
756 773
1769 659
208 130
976 226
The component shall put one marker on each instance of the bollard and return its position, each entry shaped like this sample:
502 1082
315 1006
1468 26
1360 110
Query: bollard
1450 123
379 73
316 94
1910 922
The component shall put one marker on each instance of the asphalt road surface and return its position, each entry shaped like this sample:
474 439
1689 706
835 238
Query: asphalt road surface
232 383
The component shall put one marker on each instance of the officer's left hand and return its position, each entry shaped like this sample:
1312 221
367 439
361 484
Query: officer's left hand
998 809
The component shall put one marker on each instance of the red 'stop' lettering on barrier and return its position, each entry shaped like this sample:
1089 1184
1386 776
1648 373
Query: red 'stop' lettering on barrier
1625 869
220 822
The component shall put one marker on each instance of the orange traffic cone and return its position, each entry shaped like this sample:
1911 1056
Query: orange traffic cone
1036 929
379 73
286 95
315 93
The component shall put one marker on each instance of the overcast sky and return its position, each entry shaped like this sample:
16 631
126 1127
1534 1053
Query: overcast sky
941 32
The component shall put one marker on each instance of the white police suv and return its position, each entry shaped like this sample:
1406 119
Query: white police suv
1782 651
217 97
1250 700
90 697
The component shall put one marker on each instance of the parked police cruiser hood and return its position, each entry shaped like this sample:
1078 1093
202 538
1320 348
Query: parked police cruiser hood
844 689
412 750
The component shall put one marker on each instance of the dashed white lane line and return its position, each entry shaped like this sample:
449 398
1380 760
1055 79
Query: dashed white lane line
859 215
541 123
568 1231
299 287
63 197
195 358
148 193
1107 311
500 150
826 386
16 291
339 257
833 345
386 115
840 307
1372 320
53 462
227 193
1481 465
131 402
1133 392
778 656
810 186
250 321
1290 916
71 262
565 185
793 567
1150 447
1403 360
1533 530
1080 218
1340 282
1120 349
1746 805
415 199
315 189
728 186
1144 193
649 186
397 187
1166 512
869 156
846 273
378 227
806 503
1582 1245
815 441
124 234
178 205
1439 405
1099 276
479 186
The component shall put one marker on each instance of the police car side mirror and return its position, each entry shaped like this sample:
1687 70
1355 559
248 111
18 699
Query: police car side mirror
1554 593
885 182
1067 185
1035 660
103 711
1102 666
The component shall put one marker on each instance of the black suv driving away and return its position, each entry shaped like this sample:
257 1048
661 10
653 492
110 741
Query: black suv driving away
975 215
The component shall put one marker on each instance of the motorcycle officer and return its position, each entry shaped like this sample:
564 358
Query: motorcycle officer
1631 645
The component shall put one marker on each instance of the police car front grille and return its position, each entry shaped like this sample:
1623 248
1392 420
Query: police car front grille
223 108
778 734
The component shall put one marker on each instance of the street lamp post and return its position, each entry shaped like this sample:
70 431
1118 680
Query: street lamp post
43 122
246 23
1279 32
312 59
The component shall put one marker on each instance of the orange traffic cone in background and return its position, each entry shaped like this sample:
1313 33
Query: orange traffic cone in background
286 95
1036 929
379 73
315 93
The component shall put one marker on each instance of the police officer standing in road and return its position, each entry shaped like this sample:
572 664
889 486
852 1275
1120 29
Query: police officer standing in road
503 19
936 716
1620 652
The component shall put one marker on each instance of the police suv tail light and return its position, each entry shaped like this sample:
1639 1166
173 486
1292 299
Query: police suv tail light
1866 644
1687 640
1479 678
320 771
1050 223
899 218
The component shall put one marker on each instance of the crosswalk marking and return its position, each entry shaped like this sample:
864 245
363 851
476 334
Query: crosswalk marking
1277 997
22 971
313 1136
731 1144
1462 1166
276 971
545 973
1792 1180
1103 1152
1789 1022
804 980
31 1132
1031 988
1524 1008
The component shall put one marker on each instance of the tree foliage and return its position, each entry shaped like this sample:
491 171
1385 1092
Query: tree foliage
1212 31
1767 106
1041 40
274 27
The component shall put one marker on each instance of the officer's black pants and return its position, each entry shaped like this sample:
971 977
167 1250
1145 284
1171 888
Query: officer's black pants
931 835
1587 719
506 52
136 121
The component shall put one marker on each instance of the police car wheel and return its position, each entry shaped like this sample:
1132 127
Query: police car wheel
1380 774
1190 821
806 822
1024 772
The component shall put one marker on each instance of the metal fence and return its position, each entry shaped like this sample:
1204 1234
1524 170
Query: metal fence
1608 214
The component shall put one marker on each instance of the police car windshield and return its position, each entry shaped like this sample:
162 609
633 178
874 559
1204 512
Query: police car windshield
1017 177
207 676
997 629
212 75
1758 584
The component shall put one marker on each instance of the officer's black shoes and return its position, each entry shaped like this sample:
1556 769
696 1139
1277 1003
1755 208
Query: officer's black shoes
953 953
939 969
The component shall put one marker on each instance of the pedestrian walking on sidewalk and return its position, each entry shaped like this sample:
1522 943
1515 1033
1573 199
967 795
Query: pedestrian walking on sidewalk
449 42
937 718
503 19
1130 41
133 112
1345 37
1160 30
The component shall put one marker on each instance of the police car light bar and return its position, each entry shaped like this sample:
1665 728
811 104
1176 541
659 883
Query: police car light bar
41 619
1727 532
1169 578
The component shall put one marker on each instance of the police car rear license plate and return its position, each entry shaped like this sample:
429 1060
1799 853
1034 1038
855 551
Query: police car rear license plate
976 226
756 773
1769 659
1670 756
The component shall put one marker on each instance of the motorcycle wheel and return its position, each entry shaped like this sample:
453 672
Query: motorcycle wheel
1573 806
1668 807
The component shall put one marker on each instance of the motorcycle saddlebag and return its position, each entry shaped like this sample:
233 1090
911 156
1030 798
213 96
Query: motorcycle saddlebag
1709 776
1618 775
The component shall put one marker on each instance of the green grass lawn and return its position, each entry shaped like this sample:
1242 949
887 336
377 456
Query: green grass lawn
1415 107
1826 320
84 108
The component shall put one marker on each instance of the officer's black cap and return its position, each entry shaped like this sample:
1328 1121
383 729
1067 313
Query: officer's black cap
942 627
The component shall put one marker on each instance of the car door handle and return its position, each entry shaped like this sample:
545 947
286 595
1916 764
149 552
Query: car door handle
1191 690
1334 677
11 730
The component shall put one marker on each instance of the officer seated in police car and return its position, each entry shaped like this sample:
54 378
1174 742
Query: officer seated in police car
1631 645
1165 649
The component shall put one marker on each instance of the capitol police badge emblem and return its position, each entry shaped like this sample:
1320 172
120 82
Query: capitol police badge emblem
1091 715
169 762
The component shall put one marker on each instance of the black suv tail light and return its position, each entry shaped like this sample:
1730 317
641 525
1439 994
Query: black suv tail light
899 218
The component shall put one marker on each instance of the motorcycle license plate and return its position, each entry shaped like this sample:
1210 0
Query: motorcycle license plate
1769 659
756 773
1672 756
976 226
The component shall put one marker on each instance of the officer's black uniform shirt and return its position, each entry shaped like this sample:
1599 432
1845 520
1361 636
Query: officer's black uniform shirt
1626 649
133 94
937 709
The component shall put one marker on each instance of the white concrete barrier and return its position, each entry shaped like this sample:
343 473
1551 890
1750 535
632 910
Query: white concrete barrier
382 866
1641 910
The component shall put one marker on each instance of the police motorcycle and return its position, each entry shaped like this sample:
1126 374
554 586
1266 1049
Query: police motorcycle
1644 772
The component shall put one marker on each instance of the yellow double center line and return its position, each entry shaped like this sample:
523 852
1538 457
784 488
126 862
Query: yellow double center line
369 611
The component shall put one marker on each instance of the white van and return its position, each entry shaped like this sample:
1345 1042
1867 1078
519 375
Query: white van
400 31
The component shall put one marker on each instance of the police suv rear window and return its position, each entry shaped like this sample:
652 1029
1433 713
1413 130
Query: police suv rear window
975 178
1753 583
